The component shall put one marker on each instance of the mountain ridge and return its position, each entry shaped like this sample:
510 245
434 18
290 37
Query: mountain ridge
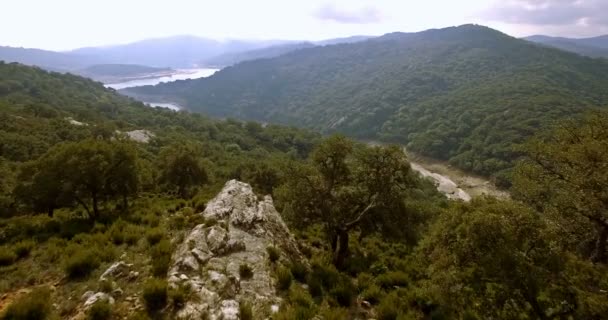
399 87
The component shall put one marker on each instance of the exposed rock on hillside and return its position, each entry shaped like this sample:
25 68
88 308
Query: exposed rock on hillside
238 230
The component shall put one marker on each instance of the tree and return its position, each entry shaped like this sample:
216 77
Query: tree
85 172
496 259
565 175
340 187
181 167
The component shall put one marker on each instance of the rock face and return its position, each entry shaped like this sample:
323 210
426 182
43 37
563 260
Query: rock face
238 230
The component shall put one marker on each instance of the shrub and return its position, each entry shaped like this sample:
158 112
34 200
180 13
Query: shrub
161 258
180 295
389 308
364 280
155 294
299 297
344 292
392 279
101 310
154 235
81 263
335 314
245 271
132 234
315 287
327 275
117 233
23 248
7 256
299 271
245 311
34 306
106 286
273 254
284 279
294 313
373 294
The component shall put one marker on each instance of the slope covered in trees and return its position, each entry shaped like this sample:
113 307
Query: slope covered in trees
78 196
467 94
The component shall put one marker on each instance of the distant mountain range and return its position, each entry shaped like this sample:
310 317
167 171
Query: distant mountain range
465 94
592 47
229 59
143 58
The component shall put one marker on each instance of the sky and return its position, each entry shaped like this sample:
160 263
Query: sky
69 24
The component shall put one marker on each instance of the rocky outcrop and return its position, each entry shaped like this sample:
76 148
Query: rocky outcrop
238 230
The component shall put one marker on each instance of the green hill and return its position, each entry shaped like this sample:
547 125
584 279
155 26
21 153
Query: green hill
467 94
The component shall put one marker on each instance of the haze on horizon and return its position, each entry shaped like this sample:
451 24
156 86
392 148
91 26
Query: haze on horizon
69 24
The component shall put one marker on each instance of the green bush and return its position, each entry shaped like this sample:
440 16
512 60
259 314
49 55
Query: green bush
344 292
315 286
23 248
161 258
299 271
117 233
326 274
245 311
132 234
7 256
299 297
101 310
34 306
392 279
273 254
180 295
372 294
155 235
335 314
294 313
284 279
364 280
389 309
245 271
81 263
155 294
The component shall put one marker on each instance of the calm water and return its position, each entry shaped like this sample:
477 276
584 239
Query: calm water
183 74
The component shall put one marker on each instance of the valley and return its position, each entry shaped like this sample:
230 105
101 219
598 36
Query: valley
450 173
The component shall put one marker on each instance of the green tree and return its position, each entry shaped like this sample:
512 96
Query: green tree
565 175
495 259
181 167
340 187
85 172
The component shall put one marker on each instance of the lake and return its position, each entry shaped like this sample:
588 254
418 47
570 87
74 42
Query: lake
181 74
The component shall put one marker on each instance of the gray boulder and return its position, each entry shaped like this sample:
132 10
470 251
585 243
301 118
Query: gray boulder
238 231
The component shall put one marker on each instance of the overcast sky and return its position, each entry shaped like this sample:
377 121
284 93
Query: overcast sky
67 24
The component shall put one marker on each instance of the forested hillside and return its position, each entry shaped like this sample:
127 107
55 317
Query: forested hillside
100 193
467 94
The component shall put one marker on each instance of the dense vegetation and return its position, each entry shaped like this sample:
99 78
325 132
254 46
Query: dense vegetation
466 94
77 192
